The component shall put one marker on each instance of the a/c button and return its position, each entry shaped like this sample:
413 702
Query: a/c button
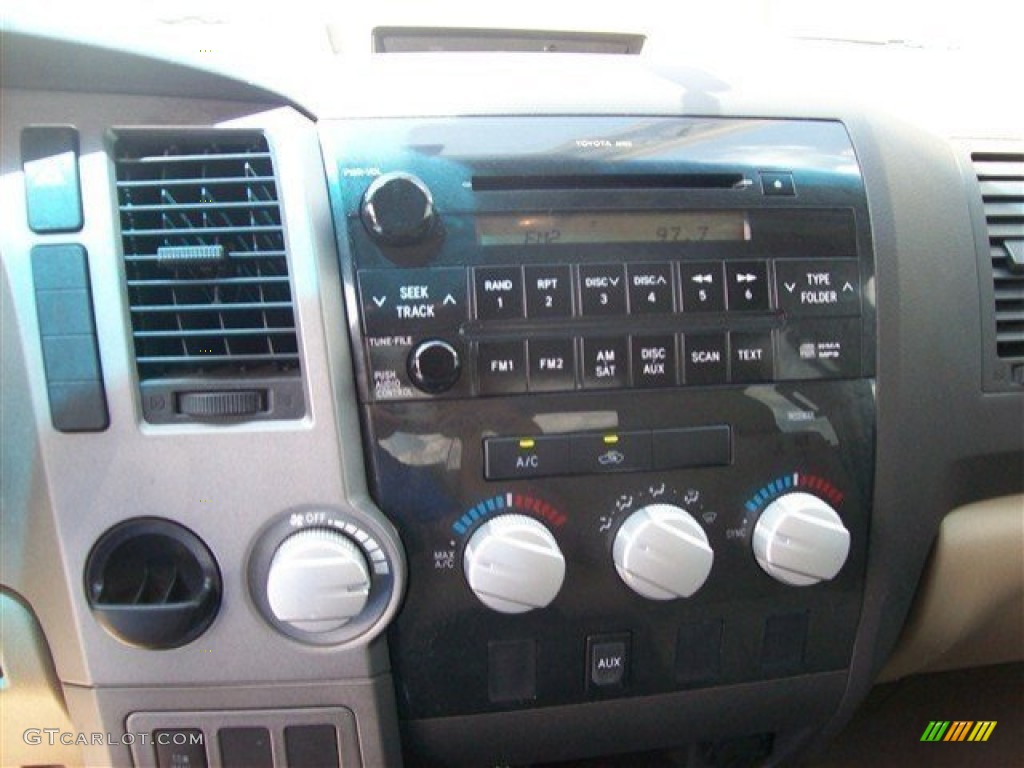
511 458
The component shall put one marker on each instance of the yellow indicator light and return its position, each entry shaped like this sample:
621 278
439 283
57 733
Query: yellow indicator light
526 443
611 439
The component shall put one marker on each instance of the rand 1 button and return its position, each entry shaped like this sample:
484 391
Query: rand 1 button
499 293
654 361
602 289
501 367
751 357
512 458
549 291
706 360
818 287
747 286
552 364
605 364
412 300
650 288
701 286
820 349
612 452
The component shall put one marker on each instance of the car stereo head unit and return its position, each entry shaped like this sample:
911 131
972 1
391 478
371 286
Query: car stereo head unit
616 377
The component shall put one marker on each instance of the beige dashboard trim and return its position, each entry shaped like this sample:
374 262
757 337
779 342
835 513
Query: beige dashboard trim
969 609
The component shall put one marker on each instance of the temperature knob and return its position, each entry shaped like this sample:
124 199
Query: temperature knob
800 540
398 210
318 580
513 564
662 553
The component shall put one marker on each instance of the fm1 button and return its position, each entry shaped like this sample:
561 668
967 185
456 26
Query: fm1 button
501 367
607 660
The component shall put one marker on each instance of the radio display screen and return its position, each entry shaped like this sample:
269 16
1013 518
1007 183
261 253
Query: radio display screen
611 227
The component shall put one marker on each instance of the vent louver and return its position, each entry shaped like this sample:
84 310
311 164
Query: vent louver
206 267
1001 177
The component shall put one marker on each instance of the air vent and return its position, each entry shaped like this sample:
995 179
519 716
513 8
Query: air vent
207 272
1001 176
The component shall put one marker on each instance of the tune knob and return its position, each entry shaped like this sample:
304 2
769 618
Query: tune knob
398 210
662 553
434 366
800 540
318 580
514 564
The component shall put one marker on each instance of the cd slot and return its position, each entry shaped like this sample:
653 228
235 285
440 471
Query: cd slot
519 183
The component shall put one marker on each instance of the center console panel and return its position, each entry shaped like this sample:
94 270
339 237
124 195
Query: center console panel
617 392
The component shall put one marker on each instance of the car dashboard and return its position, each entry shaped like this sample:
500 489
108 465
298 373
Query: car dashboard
500 408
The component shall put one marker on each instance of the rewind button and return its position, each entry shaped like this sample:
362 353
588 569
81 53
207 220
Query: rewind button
701 284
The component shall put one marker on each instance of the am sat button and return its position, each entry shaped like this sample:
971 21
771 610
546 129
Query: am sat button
605 364
611 452
512 458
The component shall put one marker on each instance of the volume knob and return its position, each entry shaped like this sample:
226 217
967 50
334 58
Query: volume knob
513 564
398 210
662 553
800 540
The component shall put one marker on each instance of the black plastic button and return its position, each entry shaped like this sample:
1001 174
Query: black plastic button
816 288
603 289
412 300
650 288
699 652
604 363
552 365
775 184
511 670
311 746
511 458
752 358
499 293
612 452
702 287
608 660
501 367
434 366
705 356
245 748
692 447
53 195
783 644
820 349
654 361
549 291
180 747
747 283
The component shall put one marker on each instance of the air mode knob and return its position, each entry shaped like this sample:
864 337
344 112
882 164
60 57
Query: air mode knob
662 553
318 580
398 210
513 564
800 540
